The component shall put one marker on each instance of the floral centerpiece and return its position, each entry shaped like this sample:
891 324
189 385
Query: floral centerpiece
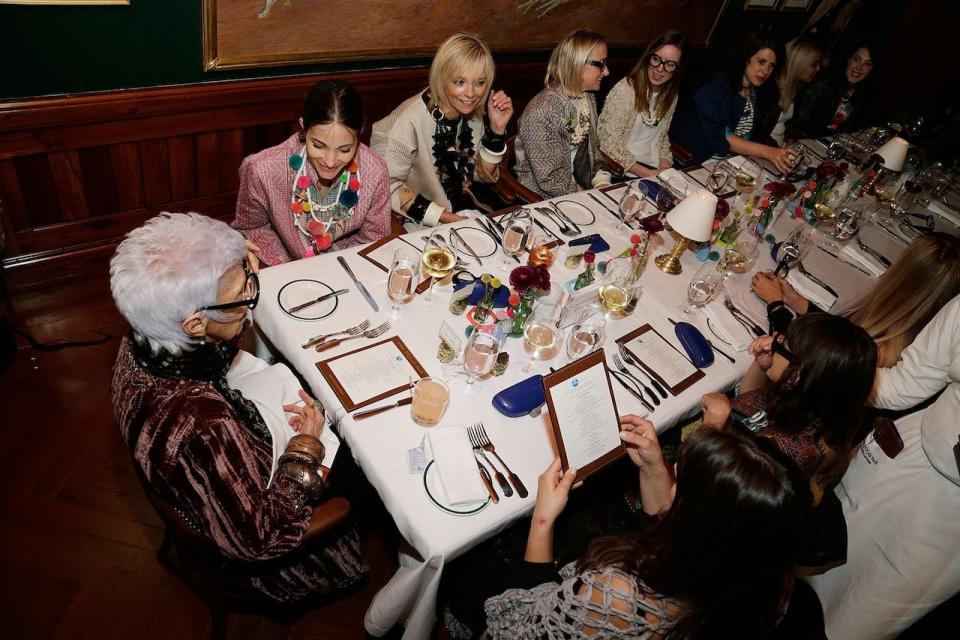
527 282
762 215
824 179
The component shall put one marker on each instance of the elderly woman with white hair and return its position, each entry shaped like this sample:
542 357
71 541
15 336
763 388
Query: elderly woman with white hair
215 432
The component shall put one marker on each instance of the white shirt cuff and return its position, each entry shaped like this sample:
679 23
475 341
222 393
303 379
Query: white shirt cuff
489 156
600 179
432 215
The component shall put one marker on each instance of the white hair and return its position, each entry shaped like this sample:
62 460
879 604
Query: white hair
167 269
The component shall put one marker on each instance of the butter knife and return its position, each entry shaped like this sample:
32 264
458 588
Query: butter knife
360 415
473 254
362 289
310 303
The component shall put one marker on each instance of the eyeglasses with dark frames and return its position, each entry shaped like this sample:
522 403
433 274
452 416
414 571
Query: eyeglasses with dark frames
251 293
781 349
599 64
656 61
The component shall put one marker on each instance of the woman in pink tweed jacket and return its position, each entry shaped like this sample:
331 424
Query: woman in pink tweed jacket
319 190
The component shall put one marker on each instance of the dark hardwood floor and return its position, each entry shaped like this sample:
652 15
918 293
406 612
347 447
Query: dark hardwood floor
77 536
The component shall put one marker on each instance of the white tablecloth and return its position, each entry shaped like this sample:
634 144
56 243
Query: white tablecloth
380 443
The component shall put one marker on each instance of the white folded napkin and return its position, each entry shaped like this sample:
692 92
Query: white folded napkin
456 466
811 290
945 211
868 262
727 326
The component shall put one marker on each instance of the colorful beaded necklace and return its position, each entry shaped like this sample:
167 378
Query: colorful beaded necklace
315 220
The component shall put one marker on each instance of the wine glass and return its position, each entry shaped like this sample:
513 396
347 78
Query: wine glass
747 176
793 249
437 261
619 286
704 286
720 177
402 279
836 149
540 331
630 205
480 355
585 336
740 256
846 224
903 201
515 237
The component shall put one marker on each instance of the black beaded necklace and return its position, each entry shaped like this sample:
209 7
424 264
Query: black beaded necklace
453 155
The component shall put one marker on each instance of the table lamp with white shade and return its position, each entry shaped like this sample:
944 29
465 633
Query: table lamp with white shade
894 153
692 220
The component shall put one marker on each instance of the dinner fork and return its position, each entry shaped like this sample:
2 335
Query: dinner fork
622 368
564 228
628 358
873 252
802 269
376 332
486 445
475 441
742 318
352 331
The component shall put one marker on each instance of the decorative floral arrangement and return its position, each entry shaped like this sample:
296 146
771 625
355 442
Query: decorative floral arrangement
527 282
763 213
828 173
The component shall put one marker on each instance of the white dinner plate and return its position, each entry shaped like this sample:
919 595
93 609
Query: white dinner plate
579 213
300 291
431 484
478 239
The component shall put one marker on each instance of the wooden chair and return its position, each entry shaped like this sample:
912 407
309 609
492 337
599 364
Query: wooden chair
222 582
511 190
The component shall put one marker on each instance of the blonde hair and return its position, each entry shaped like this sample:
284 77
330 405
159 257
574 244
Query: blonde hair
565 69
460 52
800 55
910 293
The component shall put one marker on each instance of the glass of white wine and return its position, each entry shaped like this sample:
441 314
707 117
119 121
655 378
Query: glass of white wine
747 176
437 261
402 279
480 355
540 332
617 287
585 336
704 286
516 234
740 256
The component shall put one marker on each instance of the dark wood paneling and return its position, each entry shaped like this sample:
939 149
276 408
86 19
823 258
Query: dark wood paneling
183 167
155 165
65 167
208 164
127 175
100 185
231 155
39 190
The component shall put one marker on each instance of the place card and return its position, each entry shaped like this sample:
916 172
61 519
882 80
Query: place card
450 344
580 306
661 359
371 373
583 414
380 253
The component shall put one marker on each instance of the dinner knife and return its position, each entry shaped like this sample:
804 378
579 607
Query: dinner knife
619 377
552 234
473 254
618 216
362 289
492 230
846 262
310 303
565 217
360 415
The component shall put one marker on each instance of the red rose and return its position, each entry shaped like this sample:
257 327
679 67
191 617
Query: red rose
522 278
589 257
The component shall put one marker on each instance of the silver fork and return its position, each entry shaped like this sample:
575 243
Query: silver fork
369 333
564 229
477 444
622 368
873 252
628 358
486 445
742 318
352 331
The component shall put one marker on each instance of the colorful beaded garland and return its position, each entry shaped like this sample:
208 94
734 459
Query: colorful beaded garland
315 220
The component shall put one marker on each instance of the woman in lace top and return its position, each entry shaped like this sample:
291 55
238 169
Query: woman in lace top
637 112
697 573
442 155
557 147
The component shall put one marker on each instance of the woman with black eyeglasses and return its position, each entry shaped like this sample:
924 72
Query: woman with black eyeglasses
230 442
638 110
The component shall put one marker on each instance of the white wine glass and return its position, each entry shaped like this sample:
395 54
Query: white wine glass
618 287
585 336
402 279
516 234
747 176
704 286
540 332
437 261
480 355
719 178
740 256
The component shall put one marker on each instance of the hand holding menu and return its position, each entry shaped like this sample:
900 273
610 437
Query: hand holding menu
584 415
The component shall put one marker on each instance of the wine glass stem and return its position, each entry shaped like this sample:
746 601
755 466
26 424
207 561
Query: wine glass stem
429 295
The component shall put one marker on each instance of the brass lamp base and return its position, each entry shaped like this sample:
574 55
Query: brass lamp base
670 263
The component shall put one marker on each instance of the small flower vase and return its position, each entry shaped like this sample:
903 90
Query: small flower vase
521 312
728 235
585 279
485 304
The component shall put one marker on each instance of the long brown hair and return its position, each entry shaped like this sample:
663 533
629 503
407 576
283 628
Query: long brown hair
640 81
910 293
727 546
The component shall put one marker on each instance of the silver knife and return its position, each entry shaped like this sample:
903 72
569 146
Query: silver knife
326 296
565 217
362 289
489 228
846 262
473 254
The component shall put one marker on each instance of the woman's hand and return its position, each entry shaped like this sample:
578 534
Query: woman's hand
716 410
782 159
762 351
499 110
308 418
446 216
553 490
767 286
641 441
252 258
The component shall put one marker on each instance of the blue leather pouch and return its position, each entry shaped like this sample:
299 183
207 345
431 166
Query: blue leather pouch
521 398
596 242
695 345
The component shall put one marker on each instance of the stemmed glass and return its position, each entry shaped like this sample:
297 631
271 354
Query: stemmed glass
719 178
619 287
585 336
704 287
540 331
740 256
747 176
515 237
903 201
630 205
437 261
846 224
402 279
480 355
792 250
836 149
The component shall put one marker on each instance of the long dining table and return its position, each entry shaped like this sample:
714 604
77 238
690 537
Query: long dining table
380 444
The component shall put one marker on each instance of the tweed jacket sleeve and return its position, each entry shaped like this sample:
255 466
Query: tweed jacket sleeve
616 123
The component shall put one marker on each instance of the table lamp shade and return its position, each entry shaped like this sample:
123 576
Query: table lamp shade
692 218
894 153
